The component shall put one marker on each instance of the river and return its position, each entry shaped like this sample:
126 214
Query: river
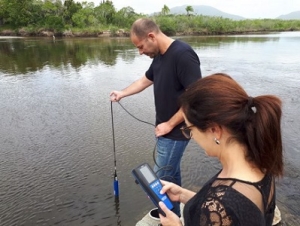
57 153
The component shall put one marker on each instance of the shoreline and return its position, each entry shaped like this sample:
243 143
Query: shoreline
118 33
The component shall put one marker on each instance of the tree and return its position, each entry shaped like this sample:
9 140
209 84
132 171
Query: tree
3 13
17 13
125 17
70 8
52 14
85 16
189 9
165 10
105 12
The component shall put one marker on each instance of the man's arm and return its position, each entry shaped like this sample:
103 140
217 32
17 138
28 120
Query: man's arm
136 87
165 127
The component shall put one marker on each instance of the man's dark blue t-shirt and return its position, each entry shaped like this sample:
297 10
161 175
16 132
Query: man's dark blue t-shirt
171 74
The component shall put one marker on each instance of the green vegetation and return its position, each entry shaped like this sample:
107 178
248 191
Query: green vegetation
63 17
70 18
189 9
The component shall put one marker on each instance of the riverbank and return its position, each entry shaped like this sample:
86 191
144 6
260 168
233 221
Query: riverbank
118 33
67 33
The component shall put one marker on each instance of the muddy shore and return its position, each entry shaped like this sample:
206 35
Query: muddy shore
67 33
118 33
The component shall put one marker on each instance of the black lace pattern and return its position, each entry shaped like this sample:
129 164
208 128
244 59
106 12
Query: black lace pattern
227 202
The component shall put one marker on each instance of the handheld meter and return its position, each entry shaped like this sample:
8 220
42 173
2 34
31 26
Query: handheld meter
151 184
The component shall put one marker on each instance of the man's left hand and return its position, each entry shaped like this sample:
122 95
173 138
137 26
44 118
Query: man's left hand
162 129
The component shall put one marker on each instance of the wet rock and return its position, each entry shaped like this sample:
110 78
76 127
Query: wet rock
68 33
8 33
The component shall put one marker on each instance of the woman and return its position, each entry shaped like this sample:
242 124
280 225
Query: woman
243 132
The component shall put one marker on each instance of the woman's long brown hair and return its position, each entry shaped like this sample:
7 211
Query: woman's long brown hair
253 122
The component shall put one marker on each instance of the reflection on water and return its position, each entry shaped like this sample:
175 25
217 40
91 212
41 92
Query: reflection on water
56 156
21 56
30 55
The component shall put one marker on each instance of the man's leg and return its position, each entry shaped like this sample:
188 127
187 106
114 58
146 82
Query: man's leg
168 157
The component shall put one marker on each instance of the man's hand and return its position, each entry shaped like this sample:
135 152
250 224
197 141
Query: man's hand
162 129
116 96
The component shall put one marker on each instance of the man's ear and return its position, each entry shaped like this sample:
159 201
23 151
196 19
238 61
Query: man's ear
151 36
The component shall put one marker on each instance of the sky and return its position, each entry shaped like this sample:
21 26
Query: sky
245 8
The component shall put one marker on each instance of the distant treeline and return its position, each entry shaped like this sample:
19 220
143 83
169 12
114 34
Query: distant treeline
31 17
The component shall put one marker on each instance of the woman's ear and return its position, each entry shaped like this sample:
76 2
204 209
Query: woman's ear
216 130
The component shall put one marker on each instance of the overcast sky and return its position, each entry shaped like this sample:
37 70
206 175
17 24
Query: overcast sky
244 8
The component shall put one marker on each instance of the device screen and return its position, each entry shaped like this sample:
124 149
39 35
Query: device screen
147 174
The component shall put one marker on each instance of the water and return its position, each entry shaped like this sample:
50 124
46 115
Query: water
56 156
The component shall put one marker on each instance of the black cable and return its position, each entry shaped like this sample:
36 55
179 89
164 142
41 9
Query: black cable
134 116
168 167
113 134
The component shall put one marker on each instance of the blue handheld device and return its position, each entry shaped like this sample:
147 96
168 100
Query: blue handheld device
151 184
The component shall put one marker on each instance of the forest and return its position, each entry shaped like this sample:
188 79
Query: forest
71 18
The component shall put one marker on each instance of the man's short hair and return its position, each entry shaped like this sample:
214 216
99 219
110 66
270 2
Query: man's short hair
142 27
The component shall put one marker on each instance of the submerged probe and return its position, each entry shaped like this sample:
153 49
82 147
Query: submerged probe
116 182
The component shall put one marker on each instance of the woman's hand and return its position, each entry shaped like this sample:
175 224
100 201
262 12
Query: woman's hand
171 219
173 191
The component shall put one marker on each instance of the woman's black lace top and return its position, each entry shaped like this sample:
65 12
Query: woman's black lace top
231 201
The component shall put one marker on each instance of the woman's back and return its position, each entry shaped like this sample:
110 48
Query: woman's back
227 201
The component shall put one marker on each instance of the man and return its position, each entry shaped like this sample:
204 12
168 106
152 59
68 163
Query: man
174 67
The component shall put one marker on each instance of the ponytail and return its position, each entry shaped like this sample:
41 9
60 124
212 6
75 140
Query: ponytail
263 134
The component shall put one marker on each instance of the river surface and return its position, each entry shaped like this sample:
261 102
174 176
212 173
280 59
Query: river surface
57 152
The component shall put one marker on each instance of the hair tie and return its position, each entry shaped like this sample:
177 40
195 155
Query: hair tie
250 104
